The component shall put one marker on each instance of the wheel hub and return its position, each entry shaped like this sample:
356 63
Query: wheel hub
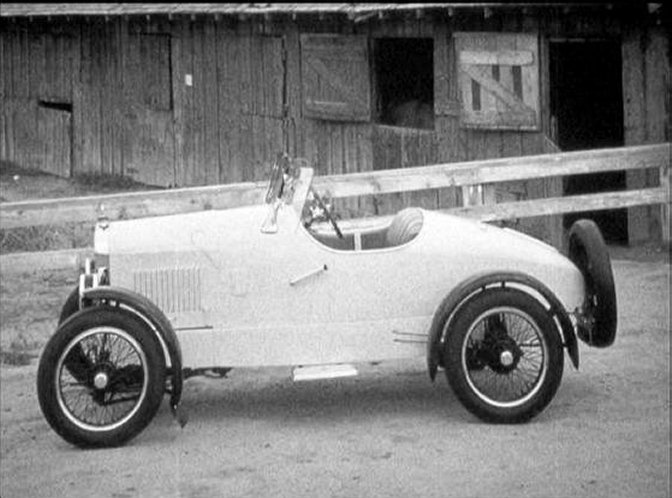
500 352
101 380
506 358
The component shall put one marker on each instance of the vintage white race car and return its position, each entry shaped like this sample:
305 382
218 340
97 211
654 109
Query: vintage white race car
176 296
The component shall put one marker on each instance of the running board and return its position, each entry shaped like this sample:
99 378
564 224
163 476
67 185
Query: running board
315 372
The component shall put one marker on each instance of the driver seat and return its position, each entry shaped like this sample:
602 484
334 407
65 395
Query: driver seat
404 227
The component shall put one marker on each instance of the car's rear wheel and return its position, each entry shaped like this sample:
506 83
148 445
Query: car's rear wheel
503 356
101 377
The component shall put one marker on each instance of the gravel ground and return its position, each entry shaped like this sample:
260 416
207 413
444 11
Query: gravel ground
387 432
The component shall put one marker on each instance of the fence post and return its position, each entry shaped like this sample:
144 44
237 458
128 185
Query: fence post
478 195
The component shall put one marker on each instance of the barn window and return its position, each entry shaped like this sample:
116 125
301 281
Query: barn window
498 80
335 76
148 74
404 81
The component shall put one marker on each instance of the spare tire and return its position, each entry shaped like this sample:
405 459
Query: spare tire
588 251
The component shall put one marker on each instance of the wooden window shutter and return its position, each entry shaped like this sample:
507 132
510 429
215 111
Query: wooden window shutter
148 78
335 75
499 80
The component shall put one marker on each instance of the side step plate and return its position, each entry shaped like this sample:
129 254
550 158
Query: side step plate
315 372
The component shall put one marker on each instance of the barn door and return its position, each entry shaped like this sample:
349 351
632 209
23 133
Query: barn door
335 75
148 115
499 80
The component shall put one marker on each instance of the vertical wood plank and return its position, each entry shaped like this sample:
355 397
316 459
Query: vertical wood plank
665 208
5 64
223 104
178 71
188 147
658 116
197 170
90 102
77 101
294 128
211 105
634 117
446 110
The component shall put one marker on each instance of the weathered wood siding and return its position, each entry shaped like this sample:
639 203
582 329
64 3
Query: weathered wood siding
182 101
38 64
647 90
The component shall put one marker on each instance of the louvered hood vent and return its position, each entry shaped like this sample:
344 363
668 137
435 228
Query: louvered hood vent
174 290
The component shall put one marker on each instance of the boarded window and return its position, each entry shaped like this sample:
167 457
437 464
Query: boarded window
335 73
148 71
499 80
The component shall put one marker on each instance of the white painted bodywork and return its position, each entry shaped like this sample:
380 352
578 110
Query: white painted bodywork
240 297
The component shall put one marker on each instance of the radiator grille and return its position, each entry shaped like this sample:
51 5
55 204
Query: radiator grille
173 290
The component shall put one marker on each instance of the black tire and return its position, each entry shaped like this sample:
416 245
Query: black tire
101 377
500 341
588 251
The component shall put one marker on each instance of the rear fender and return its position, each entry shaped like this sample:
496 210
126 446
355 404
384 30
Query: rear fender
161 326
463 292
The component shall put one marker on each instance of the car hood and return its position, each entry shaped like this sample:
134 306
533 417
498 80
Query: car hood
180 232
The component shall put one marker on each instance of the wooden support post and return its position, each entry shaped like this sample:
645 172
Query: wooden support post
479 195
472 195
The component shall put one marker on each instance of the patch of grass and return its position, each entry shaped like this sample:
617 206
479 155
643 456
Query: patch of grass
30 184
9 168
21 352
46 238
105 181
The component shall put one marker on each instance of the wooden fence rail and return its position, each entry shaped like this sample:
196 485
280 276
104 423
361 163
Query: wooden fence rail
163 202
487 173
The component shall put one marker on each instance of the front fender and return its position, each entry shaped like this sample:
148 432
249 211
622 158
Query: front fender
156 318
478 283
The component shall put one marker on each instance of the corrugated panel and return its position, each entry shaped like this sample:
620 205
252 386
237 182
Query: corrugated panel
174 290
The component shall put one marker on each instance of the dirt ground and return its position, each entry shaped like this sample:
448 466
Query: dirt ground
386 432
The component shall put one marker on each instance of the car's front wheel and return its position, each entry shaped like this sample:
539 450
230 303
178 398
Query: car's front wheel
101 377
503 356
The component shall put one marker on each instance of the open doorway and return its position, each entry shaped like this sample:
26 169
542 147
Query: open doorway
587 104
404 76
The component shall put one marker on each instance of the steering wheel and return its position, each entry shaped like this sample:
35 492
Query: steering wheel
327 213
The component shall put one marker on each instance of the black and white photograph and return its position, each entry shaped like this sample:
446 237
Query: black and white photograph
335 250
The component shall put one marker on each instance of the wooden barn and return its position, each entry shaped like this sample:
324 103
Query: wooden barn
197 94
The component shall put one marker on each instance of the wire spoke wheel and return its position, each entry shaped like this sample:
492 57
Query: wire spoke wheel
101 377
503 355
114 382
512 357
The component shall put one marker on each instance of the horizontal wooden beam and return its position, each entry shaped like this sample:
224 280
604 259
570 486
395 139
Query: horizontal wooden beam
164 202
130 205
29 262
495 170
74 258
527 209
561 205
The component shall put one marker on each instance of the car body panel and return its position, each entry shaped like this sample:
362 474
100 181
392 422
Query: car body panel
240 297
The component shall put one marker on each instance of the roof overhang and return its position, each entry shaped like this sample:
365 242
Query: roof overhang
355 11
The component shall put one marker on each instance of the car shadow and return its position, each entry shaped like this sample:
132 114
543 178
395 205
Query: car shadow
367 396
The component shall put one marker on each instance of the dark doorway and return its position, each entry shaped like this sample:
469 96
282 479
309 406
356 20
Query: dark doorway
404 76
587 104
